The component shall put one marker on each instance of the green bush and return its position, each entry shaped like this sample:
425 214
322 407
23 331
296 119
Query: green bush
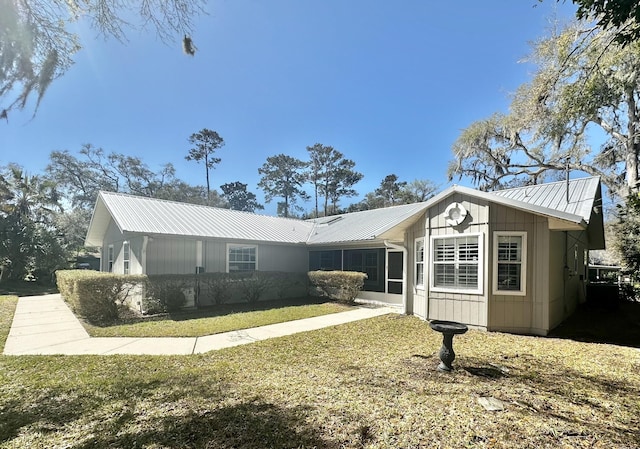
342 286
215 286
97 296
166 292
288 285
252 285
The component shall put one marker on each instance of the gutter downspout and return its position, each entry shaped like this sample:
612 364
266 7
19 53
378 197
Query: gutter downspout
143 262
405 255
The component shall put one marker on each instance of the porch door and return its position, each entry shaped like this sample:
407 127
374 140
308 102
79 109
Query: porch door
394 272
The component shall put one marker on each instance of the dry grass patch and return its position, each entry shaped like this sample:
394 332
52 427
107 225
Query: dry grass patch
368 384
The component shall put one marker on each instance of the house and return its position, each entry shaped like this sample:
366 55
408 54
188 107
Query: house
514 260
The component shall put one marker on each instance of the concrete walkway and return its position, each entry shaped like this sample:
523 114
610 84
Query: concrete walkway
46 325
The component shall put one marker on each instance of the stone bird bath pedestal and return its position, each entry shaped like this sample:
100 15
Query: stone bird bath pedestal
448 329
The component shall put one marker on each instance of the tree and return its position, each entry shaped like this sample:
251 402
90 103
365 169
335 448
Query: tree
80 178
283 176
622 15
627 232
332 176
206 143
417 191
29 240
584 83
235 193
390 190
37 45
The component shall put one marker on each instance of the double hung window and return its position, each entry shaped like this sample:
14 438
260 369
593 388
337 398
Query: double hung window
419 252
510 263
457 263
242 258
126 257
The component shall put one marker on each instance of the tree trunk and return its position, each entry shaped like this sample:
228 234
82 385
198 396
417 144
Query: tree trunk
633 144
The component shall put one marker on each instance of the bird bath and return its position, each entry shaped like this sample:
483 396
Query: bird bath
448 329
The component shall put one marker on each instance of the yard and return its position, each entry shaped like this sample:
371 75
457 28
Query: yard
369 384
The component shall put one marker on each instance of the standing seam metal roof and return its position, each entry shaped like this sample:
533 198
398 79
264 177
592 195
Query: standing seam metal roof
152 216
553 195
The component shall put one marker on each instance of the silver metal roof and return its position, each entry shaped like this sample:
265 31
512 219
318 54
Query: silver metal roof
553 195
363 226
152 216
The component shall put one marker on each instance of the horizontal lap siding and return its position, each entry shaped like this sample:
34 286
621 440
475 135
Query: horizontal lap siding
466 308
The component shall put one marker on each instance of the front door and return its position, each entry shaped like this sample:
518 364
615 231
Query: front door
394 272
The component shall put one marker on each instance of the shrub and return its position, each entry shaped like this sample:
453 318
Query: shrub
342 286
217 286
96 296
288 285
253 285
166 293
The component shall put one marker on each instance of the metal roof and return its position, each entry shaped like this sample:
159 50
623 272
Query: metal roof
152 216
364 225
553 195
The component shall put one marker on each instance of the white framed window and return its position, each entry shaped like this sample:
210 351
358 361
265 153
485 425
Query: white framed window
126 257
241 258
110 259
509 263
457 263
419 256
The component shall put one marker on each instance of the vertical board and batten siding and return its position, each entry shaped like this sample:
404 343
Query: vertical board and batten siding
289 258
171 256
465 308
416 297
566 274
179 256
521 313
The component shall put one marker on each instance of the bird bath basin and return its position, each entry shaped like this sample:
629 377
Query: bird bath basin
448 329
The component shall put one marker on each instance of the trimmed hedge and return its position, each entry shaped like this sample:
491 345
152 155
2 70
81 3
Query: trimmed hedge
100 297
96 296
342 286
166 292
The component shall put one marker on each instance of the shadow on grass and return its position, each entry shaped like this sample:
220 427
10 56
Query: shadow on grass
247 425
619 326
212 311
177 411
23 288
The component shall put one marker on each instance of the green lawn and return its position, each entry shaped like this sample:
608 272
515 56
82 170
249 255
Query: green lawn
217 319
368 384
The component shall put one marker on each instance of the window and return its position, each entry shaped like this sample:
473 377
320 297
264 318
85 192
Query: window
457 263
510 263
419 262
242 258
126 255
110 259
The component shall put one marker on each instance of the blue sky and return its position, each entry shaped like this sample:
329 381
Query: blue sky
389 84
